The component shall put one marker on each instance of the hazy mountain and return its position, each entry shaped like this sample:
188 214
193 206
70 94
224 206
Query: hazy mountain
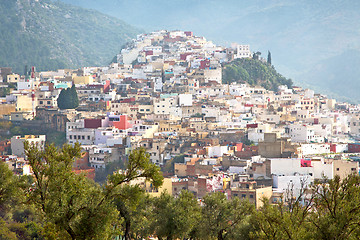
338 76
51 35
300 34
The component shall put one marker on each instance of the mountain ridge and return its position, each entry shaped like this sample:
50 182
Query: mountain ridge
52 35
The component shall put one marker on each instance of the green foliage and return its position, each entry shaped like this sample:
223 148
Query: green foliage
68 98
55 137
138 166
52 35
222 218
331 211
254 72
102 174
269 58
282 222
9 190
4 91
58 204
337 205
52 136
132 204
77 208
130 200
197 115
175 218
16 219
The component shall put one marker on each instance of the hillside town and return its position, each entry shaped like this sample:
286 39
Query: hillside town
165 93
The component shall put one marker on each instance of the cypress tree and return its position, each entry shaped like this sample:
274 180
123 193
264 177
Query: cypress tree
269 58
74 96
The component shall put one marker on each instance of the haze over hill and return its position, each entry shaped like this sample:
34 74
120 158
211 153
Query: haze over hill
51 35
300 34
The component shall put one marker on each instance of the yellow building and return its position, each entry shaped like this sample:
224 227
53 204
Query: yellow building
167 126
24 103
149 133
156 192
255 194
83 79
13 78
6 109
180 169
344 168
146 109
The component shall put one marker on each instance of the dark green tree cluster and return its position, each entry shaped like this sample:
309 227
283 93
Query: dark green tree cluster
68 98
6 90
254 72
58 204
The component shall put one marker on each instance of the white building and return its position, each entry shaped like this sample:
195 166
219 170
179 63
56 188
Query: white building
185 100
301 133
313 148
292 184
17 143
354 125
241 50
85 136
213 75
217 151
163 105
98 157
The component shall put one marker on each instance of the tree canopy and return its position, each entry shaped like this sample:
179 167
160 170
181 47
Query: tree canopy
254 72
68 98
56 203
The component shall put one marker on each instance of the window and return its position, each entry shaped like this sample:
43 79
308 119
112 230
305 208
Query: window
88 137
83 137
243 195
337 169
251 196
353 169
41 102
70 136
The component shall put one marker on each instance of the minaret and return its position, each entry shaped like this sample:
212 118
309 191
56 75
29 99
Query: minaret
33 90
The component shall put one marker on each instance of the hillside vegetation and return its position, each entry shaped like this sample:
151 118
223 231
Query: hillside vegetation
254 72
52 35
